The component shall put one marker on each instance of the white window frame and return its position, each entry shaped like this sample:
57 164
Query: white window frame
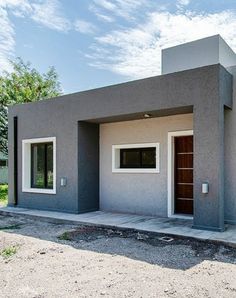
26 165
116 158
170 172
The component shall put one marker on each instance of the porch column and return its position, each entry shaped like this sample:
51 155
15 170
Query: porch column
209 165
88 166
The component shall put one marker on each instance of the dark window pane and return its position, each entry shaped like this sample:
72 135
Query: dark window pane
42 165
130 158
138 158
149 158
50 166
38 165
3 163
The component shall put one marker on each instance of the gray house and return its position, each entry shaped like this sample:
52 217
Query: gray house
162 146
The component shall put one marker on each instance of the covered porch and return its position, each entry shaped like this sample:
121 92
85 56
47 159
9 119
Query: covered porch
200 96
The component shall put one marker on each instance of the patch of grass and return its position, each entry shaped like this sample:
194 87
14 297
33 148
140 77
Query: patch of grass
11 227
3 194
65 236
8 252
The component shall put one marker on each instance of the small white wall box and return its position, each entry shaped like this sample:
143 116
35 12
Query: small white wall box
63 181
205 187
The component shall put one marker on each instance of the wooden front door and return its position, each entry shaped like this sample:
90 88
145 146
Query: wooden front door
183 157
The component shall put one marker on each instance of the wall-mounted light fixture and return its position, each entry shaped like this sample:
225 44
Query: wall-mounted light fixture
205 187
63 181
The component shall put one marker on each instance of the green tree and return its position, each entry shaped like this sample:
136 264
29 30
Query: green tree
24 84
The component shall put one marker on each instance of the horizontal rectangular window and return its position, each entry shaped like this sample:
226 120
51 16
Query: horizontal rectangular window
42 165
138 158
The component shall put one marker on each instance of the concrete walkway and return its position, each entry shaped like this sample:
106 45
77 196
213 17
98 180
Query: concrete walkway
180 227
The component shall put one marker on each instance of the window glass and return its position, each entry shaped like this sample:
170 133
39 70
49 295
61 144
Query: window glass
130 158
50 166
138 158
3 163
149 158
42 165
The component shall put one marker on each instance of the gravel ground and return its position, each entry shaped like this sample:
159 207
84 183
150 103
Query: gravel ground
40 259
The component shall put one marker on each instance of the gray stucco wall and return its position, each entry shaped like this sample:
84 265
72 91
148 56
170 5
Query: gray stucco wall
229 158
141 193
197 53
88 166
42 120
205 90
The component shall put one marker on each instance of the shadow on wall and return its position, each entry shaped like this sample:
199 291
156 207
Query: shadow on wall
174 252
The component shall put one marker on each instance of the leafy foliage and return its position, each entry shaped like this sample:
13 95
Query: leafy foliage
3 194
65 236
24 84
8 252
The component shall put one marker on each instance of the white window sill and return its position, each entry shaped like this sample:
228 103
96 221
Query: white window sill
40 190
137 171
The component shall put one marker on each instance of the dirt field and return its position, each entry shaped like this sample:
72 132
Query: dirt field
40 259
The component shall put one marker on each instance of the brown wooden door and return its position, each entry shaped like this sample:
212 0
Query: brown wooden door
184 174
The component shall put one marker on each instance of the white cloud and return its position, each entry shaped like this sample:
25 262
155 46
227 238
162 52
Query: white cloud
122 8
84 27
105 18
45 12
19 8
7 42
100 14
20 4
183 2
136 52
49 14
106 4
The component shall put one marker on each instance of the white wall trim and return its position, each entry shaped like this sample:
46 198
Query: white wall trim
26 162
170 171
116 158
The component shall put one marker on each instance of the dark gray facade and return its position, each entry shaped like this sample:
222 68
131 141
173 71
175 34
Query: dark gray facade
74 120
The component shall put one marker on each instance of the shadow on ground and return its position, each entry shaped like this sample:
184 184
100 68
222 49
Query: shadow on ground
170 251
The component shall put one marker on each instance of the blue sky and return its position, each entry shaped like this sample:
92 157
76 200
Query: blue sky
101 42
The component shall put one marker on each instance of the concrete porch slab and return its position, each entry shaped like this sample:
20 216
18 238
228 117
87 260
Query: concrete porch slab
170 226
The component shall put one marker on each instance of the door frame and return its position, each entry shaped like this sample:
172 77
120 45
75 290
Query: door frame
170 172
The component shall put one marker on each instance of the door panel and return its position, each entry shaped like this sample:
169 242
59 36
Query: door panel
184 160
184 191
184 144
183 174
184 206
